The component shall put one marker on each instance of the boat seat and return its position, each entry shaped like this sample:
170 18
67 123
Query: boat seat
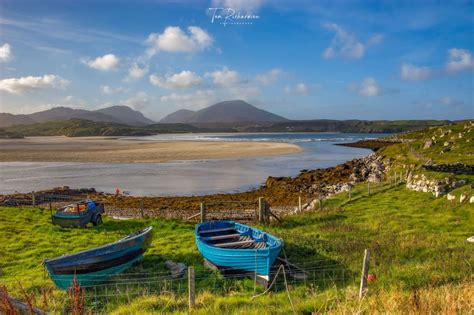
244 242
232 244
217 230
220 237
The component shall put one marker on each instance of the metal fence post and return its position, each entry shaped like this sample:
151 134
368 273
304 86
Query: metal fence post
203 212
365 271
191 288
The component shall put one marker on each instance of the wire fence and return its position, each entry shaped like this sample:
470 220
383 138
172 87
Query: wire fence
105 294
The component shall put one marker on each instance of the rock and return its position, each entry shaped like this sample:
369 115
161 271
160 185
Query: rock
471 200
463 197
177 269
450 197
446 143
428 144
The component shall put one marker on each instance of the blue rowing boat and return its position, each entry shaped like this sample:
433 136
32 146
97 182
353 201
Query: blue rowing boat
228 244
93 266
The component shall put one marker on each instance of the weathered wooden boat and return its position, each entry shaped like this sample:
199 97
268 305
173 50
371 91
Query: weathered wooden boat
79 214
228 244
96 265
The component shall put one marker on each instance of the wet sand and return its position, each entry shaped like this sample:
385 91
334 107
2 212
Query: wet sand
122 150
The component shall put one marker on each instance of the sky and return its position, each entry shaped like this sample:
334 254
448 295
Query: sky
298 59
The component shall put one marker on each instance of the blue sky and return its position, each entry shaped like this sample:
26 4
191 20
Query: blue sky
299 59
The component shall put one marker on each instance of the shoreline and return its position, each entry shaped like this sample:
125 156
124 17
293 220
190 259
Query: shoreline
123 150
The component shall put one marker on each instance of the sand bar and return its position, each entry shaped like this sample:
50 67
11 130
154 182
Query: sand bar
122 150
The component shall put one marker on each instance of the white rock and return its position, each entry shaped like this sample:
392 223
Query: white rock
463 197
450 197
471 200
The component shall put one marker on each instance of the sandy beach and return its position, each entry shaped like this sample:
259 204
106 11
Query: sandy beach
120 150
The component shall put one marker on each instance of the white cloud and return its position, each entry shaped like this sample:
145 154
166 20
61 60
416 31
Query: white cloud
225 77
413 73
376 39
269 77
24 84
5 52
173 39
105 89
139 101
183 79
136 72
343 44
459 60
346 45
196 100
300 88
369 87
105 63
247 6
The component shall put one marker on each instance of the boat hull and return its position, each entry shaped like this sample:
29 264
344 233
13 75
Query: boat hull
255 260
96 265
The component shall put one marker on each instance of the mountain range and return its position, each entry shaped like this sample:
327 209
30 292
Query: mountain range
115 114
236 111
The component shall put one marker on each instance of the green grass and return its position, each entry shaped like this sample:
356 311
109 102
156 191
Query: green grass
417 242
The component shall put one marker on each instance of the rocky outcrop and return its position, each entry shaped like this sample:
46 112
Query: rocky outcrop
327 182
436 187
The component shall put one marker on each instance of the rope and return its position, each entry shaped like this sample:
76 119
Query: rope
271 285
288 291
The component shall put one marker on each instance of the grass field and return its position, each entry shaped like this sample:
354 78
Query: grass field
419 254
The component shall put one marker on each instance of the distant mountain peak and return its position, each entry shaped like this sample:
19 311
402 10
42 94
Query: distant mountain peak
234 111
117 114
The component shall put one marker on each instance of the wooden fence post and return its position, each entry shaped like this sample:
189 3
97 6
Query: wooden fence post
203 212
365 271
320 198
191 287
142 210
261 210
300 205
33 198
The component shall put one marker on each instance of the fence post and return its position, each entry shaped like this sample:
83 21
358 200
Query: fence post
261 210
191 287
320 198
33 198
300 205
350 192
142 208
51 210
365 271
368 188
203 212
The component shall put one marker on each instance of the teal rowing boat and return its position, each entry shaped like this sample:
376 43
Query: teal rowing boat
94 266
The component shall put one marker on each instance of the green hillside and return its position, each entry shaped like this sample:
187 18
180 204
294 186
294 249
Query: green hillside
86 128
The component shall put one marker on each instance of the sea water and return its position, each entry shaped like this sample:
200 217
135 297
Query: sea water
185 178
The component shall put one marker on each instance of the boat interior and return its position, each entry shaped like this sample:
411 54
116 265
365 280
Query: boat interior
233 237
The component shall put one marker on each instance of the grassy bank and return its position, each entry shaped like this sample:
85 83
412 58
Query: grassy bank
418 243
